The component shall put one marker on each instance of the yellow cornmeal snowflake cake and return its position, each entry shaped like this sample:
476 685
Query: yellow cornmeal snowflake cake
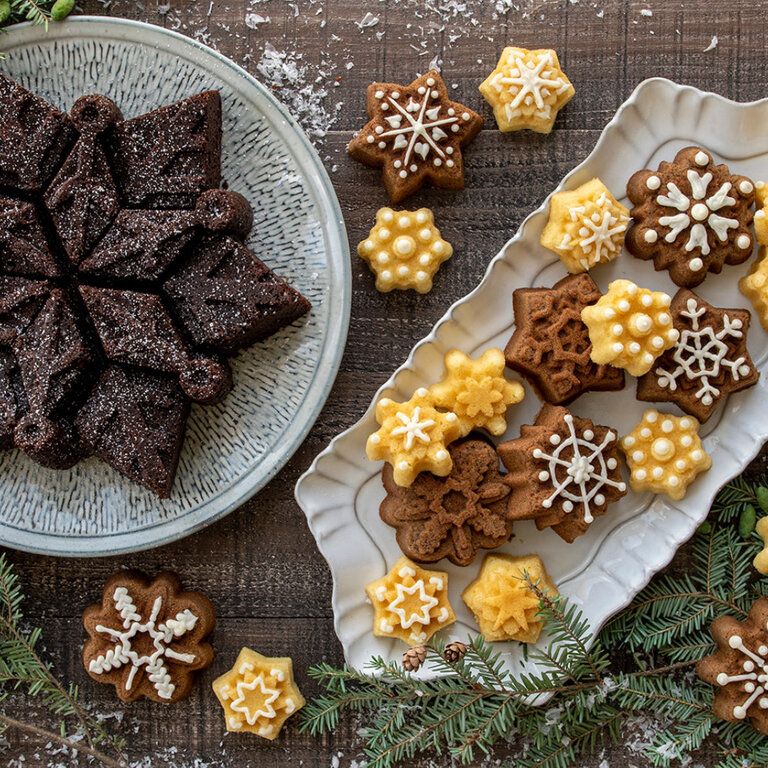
404 249
755 285
477 390
526 89
504 607
410 603
258 694
664 454
413 437
629 327
586 226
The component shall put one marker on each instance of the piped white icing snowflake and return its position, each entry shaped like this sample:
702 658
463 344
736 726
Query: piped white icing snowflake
413 427
701 353
162 636
243 700
580 478
598 233
754 677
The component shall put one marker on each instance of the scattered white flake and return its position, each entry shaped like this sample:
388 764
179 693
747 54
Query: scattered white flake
600 14
252 20
369 20
349 65
647 12
712 45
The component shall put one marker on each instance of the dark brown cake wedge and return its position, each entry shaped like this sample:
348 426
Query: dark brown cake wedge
34 138
227 299
134 420
12 402
166 158
24 248
20 302
82 198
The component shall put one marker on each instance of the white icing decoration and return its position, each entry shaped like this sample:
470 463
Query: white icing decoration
162 636
597 232
412 428
427 604
701 353
582 469
754 680
265 710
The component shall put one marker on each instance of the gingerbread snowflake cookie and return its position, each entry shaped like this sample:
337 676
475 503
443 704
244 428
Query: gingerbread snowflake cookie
691 216
415 134
551 346
410 603
586 226
526 89
709 360
739 667
564 471
404 249
452 516
147 637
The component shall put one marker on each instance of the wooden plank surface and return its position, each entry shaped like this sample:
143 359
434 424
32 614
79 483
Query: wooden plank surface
260 565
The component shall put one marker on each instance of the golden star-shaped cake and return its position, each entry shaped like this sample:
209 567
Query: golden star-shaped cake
404 250
760 220
629 327
504 607
415 134
586 226
755 285
258 694
413 437
664 454
477 391
410 603
527 89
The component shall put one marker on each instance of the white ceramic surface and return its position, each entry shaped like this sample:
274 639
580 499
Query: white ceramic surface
602 570
233 449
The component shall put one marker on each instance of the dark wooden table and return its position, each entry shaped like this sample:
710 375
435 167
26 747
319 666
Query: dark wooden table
260 565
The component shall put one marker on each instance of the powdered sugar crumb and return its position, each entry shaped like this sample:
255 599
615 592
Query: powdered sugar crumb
712 45
252 20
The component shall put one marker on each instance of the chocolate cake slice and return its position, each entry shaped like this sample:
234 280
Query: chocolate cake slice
24 248
227 299
12 401
20 302
34 138
135 329
83 197
166 158
134 420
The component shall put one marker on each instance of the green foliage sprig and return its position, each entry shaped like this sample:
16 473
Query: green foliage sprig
583 701
35 11
22 670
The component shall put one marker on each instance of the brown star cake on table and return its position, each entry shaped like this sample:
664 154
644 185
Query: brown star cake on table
125 280
415 134
564 471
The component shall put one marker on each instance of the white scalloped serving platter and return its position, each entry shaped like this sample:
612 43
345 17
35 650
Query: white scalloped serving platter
230 450
602 570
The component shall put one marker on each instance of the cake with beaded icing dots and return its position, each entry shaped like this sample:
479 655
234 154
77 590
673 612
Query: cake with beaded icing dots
125 280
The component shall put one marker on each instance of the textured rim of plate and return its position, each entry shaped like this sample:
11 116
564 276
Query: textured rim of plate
334 235
304 495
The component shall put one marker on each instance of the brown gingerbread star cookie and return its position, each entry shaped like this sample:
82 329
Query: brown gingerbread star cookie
739 667
551 346
690 216
709 361
564 471
451 516
147 637
415 134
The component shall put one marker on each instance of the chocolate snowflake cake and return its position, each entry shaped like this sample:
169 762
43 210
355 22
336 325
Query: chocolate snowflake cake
124 280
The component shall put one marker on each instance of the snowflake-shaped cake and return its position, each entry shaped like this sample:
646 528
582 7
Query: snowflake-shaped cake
410 603
127 280
564 471
526 89
709 360
691 216
147 637
415 134
739 667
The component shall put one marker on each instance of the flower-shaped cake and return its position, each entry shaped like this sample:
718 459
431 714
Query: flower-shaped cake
410 603
404 249
258 694
691 216
125 280
451 516
477 390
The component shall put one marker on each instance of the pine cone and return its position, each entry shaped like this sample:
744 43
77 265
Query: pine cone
414 657
455 651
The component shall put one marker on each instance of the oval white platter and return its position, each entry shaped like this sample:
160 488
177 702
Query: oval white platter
603 569
233 449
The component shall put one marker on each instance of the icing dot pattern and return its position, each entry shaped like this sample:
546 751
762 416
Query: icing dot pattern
410 603
630 327
664 454
404 250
